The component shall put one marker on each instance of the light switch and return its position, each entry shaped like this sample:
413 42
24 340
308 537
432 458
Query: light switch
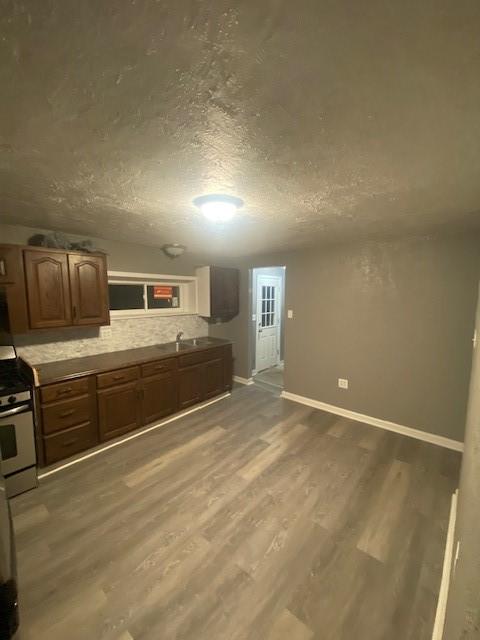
343 383
290 313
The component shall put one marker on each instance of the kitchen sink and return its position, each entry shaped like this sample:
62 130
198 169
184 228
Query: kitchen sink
199 342
173 346
185 344
180 346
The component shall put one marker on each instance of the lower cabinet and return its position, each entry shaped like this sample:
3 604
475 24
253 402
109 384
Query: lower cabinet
68 415
71 441
213 378
159 396
190 386
74 415
118 410
201 382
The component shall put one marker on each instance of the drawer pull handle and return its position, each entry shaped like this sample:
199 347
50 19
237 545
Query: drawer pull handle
160 366
62 391
69 443
118 377
65 414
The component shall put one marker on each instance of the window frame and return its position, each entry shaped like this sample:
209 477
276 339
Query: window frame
187 286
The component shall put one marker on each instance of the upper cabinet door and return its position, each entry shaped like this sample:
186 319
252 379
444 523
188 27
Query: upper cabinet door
48 289
89 287
11 270
224 283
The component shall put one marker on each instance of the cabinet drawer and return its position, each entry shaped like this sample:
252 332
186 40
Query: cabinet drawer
117 377
152 368
67 413
75 439
190 359
63 390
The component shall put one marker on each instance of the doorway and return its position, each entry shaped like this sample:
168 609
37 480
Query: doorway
268 292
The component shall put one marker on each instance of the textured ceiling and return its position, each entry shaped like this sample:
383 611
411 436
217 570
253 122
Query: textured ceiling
331 119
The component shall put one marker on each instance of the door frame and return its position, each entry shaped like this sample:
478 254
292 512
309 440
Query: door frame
278 316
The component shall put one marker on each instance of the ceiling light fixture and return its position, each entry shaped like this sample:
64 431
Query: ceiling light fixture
217 207
173 250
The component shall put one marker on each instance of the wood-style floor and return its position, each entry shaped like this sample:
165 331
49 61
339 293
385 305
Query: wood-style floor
272 378
255 518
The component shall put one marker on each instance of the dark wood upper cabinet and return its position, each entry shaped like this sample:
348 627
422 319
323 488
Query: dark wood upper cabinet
10 267
218 292
89 289
13 299
159 396
224 285
48 289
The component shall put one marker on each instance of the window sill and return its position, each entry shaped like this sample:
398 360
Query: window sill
125 315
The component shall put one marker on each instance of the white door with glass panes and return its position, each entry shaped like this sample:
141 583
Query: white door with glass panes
268 322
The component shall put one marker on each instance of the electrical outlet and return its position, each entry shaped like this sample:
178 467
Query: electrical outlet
290 313
343 383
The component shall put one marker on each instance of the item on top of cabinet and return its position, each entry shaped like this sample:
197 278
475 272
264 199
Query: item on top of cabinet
58 240
55 240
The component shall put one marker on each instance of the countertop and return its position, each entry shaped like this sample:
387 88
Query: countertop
75 367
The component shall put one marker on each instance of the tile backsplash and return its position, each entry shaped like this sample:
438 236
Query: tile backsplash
123 333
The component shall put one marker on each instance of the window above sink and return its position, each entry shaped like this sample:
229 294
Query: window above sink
143 295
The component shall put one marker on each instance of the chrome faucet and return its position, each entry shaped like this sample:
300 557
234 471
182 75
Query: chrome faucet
179 337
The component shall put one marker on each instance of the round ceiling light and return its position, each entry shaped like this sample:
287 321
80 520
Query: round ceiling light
174 250
218 207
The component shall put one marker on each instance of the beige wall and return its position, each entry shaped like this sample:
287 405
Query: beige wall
122 256
463 606
396 318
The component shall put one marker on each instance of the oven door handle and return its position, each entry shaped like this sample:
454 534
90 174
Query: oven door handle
14 411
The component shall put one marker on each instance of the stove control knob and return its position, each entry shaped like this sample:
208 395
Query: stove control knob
12 399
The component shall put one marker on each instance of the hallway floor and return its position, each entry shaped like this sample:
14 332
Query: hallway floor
253 519
272 377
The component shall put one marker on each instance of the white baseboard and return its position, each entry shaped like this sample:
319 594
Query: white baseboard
241 380
377 422
446 573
